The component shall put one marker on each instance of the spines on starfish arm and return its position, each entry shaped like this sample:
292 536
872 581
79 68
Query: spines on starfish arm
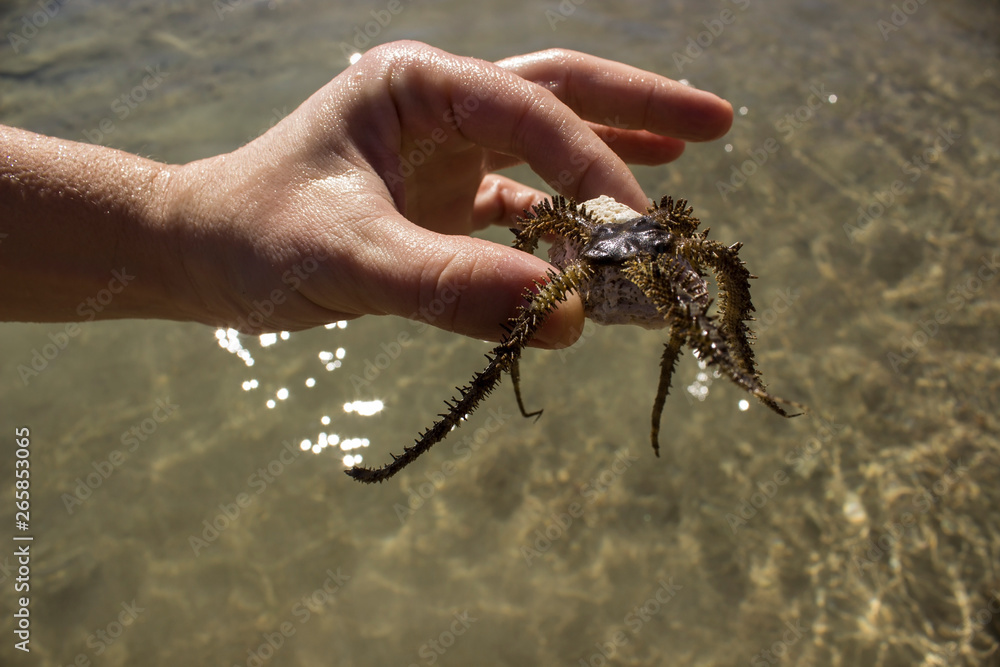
504 356
668 363
556 217
675 216
688 317
736 305
669 266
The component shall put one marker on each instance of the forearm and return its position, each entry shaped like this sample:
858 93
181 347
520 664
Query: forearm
86 233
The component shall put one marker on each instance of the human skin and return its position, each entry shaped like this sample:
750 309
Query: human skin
360 202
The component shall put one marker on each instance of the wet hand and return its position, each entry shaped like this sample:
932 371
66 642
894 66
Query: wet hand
361 201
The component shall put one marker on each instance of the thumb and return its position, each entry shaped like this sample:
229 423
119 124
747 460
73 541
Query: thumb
454 282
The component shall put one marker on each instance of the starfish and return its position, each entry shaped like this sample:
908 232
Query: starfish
628 268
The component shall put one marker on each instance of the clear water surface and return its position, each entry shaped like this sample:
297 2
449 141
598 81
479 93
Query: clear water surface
863 534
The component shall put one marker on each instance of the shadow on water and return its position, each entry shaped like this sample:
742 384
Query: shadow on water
190 508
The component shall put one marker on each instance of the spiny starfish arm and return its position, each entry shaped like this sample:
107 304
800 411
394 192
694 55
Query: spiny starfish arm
735 304
522 327
668 362
675 216
558 217
735 311
515 376
657 278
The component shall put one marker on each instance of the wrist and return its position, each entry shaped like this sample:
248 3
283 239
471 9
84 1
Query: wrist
203 216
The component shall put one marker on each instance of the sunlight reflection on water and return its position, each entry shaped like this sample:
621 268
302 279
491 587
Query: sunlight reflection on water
822 498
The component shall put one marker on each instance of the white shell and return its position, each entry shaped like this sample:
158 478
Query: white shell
606 209
608 297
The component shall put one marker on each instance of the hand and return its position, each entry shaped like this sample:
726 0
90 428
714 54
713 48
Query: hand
361 199
357 203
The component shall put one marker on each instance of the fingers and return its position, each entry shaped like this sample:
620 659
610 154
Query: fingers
632 146
500 111
640 146
619 95
500 200
461 284
572 118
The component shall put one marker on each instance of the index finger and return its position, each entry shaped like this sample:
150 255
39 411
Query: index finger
618 95
503 112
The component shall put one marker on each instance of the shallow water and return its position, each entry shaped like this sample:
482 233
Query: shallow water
863 534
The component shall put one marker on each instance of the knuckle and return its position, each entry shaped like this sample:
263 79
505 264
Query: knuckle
400 55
